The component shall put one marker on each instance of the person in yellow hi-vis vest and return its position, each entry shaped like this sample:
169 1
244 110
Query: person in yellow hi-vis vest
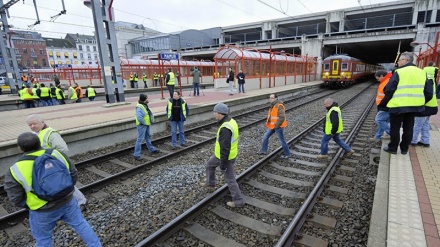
406 94
170 80
225 154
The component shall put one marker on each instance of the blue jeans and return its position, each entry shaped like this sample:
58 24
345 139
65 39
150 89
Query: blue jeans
174 125
43 223
54 101
421 126
383 123
337 139
46 102
143 133
92 98
241 87
280 135
196 88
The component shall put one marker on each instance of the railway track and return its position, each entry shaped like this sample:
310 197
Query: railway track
119 166
275 187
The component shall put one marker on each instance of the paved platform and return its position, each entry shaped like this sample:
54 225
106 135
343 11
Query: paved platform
76 117
414 194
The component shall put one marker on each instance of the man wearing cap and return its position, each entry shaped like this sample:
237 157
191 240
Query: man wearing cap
143 121
225 153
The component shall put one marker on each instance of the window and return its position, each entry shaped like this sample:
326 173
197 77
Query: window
94 48
75 55
81 55
50 53
25 51
89 56
88 48
28 62
41 52
58 54
35 62
43 62
17 51
80 47
33 52
90 62
326 66
344 66
96 56
86 41
19 63
66 55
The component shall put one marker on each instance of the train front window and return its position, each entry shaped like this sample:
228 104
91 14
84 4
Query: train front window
326 66
344 66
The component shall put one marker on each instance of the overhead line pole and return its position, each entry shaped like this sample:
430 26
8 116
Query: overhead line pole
7 49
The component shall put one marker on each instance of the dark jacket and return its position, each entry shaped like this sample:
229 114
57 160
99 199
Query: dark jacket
231 76
429 111
17 194
224 140
240 78
392 87
334 119
196 74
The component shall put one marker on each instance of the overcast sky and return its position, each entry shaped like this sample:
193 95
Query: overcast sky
168 15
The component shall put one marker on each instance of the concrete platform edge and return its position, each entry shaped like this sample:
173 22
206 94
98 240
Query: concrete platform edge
377 236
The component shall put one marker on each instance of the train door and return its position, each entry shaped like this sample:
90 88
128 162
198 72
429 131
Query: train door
335 67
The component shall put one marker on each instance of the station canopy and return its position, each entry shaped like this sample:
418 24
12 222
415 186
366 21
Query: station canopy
146 62
236 53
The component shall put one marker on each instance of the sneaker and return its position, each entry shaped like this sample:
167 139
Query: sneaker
423 144
138 158
286 156
203 184
386 136
261 153
183 145
155 151
232 205
322 156
351 152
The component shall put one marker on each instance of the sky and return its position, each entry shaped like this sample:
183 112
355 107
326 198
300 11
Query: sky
167 15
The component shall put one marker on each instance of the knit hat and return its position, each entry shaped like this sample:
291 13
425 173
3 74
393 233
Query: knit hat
221 108
142 97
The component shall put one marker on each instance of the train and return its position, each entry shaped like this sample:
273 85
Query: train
342 70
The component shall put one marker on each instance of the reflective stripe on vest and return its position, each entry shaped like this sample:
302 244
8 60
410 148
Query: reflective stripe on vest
155 76
91 92
146 117
171 81
272 116
409 90
44 137
233 127
328 123
22 173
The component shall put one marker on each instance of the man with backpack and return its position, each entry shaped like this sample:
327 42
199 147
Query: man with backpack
28 185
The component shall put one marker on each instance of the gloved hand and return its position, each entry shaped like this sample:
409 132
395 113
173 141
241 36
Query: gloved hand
223 169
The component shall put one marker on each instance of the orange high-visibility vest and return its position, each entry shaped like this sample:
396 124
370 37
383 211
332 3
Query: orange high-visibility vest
380 90
272 116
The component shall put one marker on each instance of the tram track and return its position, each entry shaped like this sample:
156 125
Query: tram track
200 135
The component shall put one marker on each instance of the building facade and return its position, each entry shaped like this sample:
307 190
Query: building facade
87 48
30 49
61 52
126 31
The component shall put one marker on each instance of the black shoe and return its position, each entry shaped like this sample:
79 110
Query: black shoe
261 153
386 149
413 144
423 144
184 145
404 152
155 151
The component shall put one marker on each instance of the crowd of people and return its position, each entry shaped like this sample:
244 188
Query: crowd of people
34 94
